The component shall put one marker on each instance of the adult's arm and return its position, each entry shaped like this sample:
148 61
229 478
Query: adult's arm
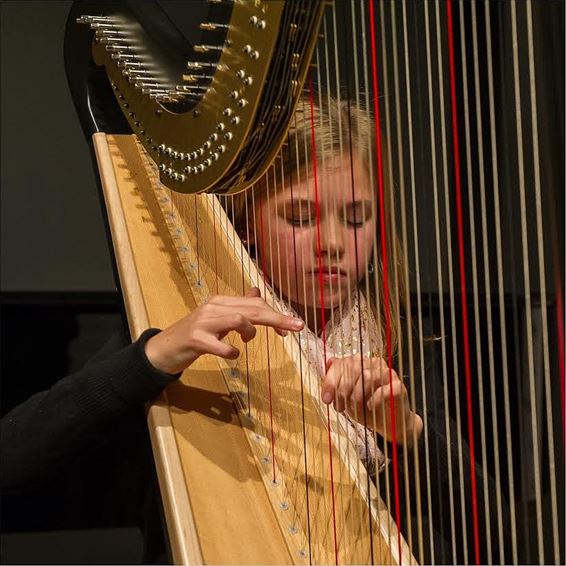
41 436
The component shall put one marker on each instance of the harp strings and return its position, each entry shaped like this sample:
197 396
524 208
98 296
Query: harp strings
500 285
542 283
449 256
385 276
332 258
527 285
467 145
376 283
360 23
394 263
396 74
487 285
302 380
322 308
405 244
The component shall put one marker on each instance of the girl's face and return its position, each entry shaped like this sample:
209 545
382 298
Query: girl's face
317 258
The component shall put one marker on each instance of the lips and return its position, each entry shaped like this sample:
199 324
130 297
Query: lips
329 274
332 270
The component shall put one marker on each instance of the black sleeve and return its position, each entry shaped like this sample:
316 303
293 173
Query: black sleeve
437 476
40 437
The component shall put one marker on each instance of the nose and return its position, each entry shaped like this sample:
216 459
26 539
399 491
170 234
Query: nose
332 238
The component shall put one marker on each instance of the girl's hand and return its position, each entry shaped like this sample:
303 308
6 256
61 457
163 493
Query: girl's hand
349 388
201 332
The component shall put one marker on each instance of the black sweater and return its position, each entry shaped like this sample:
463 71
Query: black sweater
78 455
87 438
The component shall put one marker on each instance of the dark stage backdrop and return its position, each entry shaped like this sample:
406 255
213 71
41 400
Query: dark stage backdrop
52 233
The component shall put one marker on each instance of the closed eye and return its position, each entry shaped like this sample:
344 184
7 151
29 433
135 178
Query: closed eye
357 213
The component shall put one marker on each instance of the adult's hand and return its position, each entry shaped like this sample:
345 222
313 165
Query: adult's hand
201 331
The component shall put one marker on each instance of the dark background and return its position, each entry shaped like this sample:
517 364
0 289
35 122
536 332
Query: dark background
59 302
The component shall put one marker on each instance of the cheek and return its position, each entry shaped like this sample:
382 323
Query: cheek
293 246
360 247
286 249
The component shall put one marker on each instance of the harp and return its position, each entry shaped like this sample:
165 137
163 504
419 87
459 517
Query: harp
464 159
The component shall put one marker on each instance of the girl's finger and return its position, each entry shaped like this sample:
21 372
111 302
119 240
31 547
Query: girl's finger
394 394
330 382
366 386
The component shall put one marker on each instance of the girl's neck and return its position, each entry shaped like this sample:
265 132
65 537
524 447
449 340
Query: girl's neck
313 317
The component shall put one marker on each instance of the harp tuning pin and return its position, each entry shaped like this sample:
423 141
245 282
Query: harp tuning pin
247 49
109 32
215 156
103 26
209 26
213 137
235 120
114 40
254 55
222 148
227 112
182 178
248 81
161 148
221 127
86 19
162 167
200 151
206 144
201 168
228 136
242 102
206 48
241 74
235 94
208 162
199 65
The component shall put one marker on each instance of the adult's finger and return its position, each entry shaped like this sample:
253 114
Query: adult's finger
219 348
266 316
253 293
257 311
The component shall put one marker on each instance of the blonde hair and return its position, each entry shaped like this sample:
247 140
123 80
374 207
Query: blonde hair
340 128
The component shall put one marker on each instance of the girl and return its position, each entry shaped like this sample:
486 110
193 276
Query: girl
313 233
319 235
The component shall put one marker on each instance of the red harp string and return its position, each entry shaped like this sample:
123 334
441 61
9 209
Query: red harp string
385 283
322 308
462 265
